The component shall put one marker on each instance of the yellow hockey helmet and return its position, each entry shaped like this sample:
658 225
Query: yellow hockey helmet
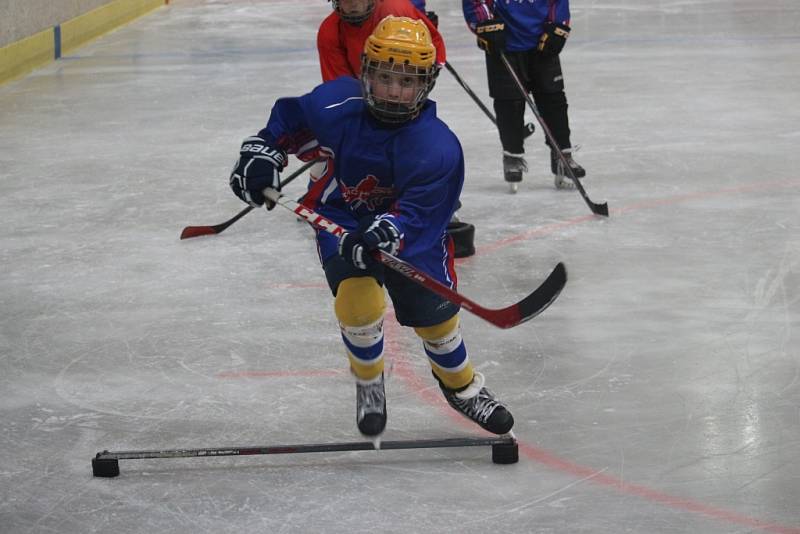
398 68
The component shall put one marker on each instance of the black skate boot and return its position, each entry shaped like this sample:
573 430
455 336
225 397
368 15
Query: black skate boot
513 167
370 406
480 405
561 178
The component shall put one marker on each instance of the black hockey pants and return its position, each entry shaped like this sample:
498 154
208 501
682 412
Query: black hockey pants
542 76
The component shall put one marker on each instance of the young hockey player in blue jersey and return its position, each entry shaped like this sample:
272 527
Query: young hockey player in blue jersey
531 34
394 173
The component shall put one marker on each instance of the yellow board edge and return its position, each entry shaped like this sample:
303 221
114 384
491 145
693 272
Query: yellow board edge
97 22
23 56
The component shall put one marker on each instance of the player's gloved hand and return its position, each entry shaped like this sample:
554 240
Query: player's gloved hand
356 248
552 41
258 168
491 36
433 17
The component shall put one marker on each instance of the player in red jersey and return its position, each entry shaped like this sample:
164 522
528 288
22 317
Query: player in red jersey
341 36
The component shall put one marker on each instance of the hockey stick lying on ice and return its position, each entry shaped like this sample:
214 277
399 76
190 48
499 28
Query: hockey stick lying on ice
505 450
597 209
196 231
529 128
507 317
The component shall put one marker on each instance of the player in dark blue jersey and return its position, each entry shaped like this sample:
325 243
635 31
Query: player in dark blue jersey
392 178
531 34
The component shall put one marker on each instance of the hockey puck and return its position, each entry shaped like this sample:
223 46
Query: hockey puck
105 467
463 235
505 453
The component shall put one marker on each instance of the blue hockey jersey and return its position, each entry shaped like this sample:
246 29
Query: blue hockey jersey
411 173
524 19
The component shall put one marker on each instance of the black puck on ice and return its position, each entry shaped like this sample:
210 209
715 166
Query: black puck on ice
505 453
463 235
105 467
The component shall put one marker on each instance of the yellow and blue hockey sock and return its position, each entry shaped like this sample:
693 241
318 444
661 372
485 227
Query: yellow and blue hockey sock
359 307
447 353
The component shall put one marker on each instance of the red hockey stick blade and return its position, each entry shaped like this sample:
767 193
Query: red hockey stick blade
196 231
507 317
533 304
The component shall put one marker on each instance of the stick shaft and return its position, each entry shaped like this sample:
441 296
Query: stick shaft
470 92
306 448
529 128
197 231
507 317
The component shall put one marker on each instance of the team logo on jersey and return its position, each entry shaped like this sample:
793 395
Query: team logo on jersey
367 193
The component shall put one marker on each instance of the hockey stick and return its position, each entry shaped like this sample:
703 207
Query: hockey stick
529 128
504 450
507 317
597 209
196 231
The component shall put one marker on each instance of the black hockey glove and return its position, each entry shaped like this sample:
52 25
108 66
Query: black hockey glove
491 36
433 17
258 168
356 248
552 41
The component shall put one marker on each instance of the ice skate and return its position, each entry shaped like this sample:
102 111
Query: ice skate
513 167
480 405
370 406
561 178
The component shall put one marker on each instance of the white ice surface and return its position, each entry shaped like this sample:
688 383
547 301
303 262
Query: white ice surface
660 393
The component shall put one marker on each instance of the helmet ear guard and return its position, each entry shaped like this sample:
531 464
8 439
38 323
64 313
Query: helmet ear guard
399 51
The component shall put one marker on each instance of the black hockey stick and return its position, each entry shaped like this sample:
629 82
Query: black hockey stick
529 128
505 450
597 209
507 317
196 231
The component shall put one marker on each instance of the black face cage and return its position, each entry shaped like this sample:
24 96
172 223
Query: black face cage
395 111
357 18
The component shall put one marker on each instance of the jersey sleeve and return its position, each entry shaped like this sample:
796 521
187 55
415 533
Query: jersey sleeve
287 127
332 54
298 125
476 11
